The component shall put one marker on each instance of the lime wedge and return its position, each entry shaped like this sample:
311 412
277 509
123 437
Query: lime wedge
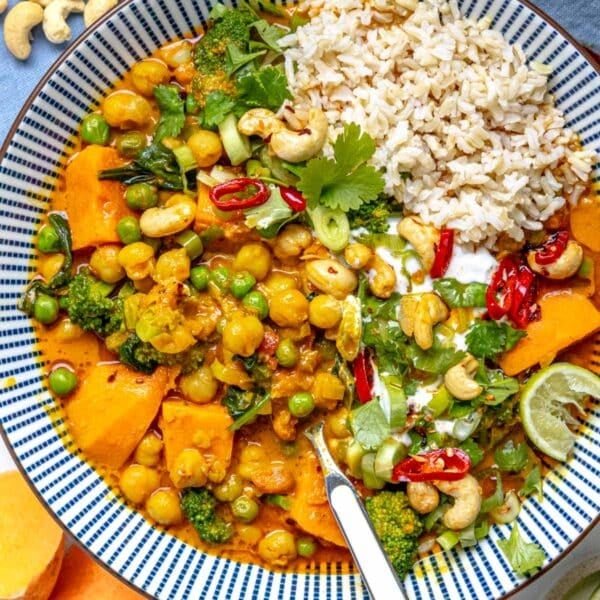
544 406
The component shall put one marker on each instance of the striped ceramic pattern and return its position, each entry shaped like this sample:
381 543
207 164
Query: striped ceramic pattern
158 563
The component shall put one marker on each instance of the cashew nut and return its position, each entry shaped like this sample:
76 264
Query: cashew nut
94 9
422 237
467 501
357 255
565 266
287 144
382 278
350 330
292 241
55 25
459 379
331 277
43 3
19 22
419 313
3 5
422 496
177 213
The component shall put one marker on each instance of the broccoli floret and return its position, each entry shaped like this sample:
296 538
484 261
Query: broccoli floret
144 357
89 305
398 527
373 215
199 506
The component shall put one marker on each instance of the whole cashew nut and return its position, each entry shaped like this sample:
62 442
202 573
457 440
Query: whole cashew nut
94 9
331 277
176 215
56 28
422 496
382 278
566 265
19 22
422 237
419 313
289 145
42 3
467 501
459 379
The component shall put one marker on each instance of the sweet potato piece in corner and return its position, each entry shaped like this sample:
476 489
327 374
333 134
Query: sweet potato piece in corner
585 223
112 408
82 577
201 426
310 508
566 319
93 207
31 543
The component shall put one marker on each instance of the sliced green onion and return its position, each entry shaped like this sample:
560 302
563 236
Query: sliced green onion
389 241
447 540
203 177
278 500
440 401
354 455
496 499
236 145
482 529
331 226
185 158
370 479
467 536
390 453
433 517
222 174
191 242
465 427
508 511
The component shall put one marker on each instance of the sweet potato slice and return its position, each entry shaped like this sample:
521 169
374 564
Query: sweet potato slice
566 319
31 543
93 207
310 508
201 426
111 410
81 577
585 223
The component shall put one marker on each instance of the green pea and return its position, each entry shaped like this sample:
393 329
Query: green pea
287 354
301 404
244 508
200 276
221 277
48 240
45 309
141 196
306 546
130 144
95 130
242 283
62 381
128 230
256 302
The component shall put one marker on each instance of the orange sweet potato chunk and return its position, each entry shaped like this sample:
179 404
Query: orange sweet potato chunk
111 410
310 508
585 223
566 319
93 207
202 426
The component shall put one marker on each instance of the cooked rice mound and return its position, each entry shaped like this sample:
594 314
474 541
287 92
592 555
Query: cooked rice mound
448 101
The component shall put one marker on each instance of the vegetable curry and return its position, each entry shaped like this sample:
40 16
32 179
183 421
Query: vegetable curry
198 307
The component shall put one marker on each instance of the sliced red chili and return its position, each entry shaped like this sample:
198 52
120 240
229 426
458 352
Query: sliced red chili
443 253
293 198
363 376
252 192
551 250
499 295
446 464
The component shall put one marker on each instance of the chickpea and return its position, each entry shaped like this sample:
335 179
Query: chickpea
173 264
50 265
338 423
206 147
176 53
289 308
148 450
67 331
147 73
105 264
199 386
243 335
250 534
278 282
292 241
189 469
230 489
126 110
278 548
137 482
163 507
253 453
328 390
138 260
254 258
324 311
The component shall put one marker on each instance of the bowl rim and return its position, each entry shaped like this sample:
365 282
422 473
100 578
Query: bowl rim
593 60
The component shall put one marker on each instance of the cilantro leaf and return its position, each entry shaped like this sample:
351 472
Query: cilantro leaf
473 450
532 483
344 182
487 339
437 360
217 106
265 88
523 557
497 386
172 111
369 425
269 34
460 295
510 457
236 58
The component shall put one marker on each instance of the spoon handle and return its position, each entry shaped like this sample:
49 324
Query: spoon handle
347 507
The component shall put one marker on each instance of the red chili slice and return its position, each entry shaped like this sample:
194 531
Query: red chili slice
551 250
293 198
222 195
443 253
446 464
363 376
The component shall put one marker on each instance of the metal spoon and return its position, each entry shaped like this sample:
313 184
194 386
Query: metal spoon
347 507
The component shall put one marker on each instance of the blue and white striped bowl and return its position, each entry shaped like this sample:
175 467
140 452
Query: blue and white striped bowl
154 562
